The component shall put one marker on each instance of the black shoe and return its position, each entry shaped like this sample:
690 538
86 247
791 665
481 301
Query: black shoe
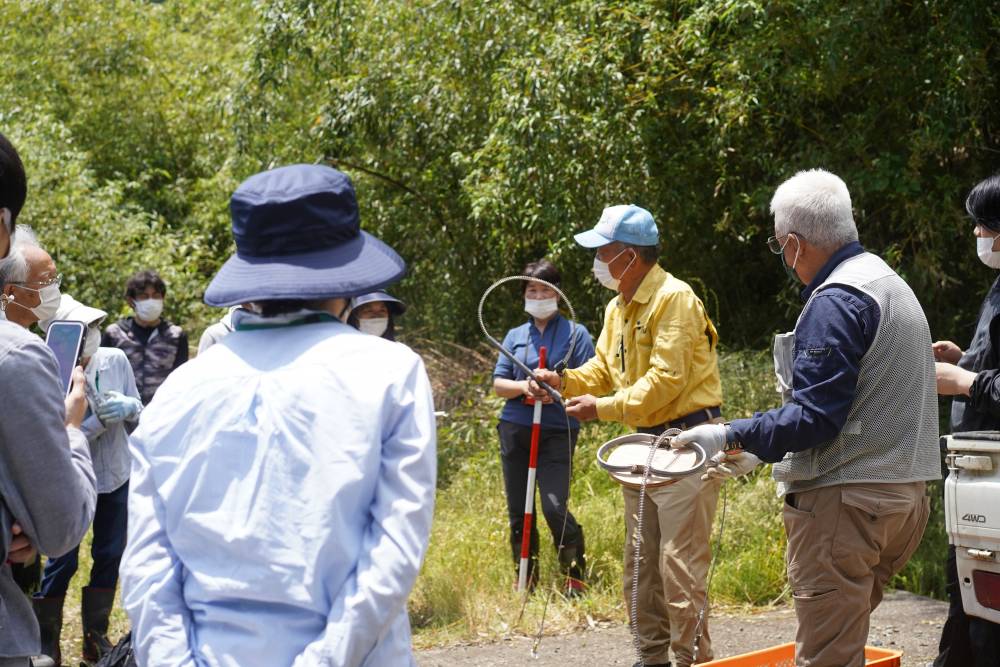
49 612
649 664
96 607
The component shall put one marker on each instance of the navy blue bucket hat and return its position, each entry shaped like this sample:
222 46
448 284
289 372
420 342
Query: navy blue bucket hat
298 236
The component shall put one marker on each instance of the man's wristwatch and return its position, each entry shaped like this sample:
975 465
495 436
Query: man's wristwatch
733 444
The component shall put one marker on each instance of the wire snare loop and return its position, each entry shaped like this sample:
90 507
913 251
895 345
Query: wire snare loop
556 396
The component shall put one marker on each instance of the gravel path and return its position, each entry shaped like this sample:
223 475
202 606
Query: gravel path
903 621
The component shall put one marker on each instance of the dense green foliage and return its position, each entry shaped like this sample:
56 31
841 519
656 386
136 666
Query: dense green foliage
483 134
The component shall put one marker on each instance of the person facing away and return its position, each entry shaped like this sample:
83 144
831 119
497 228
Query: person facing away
547 328
655 368
283 482
112 401
154 346
856 439
972 376
47 490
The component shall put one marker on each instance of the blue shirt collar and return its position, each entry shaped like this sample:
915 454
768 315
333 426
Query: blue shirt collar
844 252
554 320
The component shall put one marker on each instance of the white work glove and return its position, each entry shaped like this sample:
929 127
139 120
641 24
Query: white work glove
117 407
728 466
711 437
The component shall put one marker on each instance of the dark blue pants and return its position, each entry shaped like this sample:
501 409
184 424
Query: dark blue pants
110 530
555 461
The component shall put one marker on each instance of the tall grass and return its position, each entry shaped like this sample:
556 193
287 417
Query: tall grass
465 590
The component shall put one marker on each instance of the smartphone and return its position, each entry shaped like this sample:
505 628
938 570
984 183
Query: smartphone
65 339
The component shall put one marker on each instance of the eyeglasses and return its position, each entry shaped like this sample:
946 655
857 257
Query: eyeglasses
57 281
776 246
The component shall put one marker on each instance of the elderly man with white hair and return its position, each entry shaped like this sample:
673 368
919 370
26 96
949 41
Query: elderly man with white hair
856 439
29 281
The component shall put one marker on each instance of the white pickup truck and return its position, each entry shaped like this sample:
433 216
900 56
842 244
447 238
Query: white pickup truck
972 517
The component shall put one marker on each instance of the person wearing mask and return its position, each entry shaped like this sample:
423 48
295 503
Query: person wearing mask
30 282
972 376
545 327
655 368
243 519
46 477
855 442
113 401
153 345
375 313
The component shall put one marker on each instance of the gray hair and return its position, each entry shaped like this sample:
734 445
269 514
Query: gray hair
14 269
816 205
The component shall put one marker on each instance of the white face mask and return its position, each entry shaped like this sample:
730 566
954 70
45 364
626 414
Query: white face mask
375 326
602 271
543 309
48 302
92 342
148 310
987 255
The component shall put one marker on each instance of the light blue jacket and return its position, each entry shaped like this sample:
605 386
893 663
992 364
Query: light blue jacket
280 504
109 370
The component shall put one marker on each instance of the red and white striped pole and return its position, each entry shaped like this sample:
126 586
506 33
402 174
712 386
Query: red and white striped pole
529 496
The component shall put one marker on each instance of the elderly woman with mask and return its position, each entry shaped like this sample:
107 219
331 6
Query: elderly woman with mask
113 401
375 313
544 327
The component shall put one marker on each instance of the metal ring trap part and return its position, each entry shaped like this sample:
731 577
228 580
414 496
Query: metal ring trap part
626 458
556 396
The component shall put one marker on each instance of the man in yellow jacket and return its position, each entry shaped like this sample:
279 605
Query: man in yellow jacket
655 368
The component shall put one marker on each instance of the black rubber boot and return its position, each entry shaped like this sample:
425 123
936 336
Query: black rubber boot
573 563
49 612
96 607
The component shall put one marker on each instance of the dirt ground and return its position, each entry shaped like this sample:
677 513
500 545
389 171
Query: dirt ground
903 621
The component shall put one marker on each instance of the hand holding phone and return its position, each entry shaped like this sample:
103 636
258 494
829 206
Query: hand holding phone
76 399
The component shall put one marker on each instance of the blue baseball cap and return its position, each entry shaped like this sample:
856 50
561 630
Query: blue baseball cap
298 236
626 223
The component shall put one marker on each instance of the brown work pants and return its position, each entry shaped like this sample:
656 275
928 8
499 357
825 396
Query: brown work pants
844 543
674 559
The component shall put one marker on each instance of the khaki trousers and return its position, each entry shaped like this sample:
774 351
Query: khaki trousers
844 543
674 560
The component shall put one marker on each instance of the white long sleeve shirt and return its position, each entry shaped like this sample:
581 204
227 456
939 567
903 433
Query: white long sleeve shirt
281 498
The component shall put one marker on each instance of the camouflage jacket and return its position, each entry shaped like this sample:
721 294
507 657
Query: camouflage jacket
152 361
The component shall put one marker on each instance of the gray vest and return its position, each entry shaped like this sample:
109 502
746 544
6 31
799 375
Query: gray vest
891 431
